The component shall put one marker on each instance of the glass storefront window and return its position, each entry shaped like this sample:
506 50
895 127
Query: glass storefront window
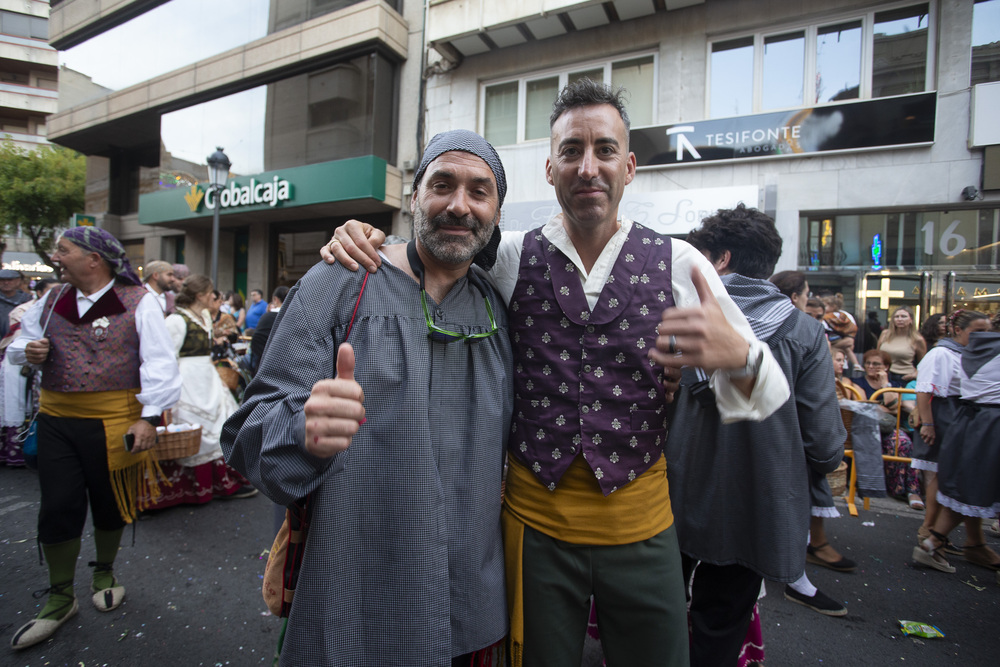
899 56
907 240
838 62
784 62
732 78
985 41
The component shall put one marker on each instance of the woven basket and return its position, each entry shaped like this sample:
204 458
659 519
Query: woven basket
177 445
838 479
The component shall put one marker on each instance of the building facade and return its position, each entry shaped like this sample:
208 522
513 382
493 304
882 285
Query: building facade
302 95
867 129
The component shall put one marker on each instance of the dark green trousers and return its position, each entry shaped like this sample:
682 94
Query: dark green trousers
639 593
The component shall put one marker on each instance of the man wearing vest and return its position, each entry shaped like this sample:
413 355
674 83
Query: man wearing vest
599 307
108 372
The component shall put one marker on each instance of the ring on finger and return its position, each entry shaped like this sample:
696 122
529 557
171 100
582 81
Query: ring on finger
672 345
331 243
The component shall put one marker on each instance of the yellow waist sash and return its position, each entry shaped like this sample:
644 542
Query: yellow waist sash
577 512
132 475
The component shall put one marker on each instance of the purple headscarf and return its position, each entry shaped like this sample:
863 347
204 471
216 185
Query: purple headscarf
95 239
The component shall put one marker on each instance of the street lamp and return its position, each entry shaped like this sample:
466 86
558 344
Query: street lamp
218 174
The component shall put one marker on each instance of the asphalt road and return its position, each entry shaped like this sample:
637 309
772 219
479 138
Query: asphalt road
193 594
192 583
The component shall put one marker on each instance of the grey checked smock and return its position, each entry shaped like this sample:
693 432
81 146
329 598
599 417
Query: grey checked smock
403 562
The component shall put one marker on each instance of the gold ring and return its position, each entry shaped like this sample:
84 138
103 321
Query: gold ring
330 244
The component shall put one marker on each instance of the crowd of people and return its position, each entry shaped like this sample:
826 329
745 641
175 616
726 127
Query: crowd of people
483 425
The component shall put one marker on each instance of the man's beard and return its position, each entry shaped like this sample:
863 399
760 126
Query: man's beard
449 248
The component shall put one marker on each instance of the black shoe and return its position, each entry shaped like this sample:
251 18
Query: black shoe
842 565
245 491
819 603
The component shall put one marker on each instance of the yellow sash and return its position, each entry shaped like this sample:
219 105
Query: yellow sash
132 475
577 512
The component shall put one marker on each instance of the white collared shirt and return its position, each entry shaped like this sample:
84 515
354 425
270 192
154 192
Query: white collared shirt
159 378
161 298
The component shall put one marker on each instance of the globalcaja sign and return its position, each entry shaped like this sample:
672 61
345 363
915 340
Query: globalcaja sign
307 185
270 193
890 122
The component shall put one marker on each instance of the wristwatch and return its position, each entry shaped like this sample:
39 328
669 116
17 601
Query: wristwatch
755 357
154 420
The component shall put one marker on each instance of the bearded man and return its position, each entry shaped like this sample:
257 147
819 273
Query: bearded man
402 451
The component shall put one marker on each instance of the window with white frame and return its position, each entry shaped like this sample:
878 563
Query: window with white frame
518 110
878 54
985 41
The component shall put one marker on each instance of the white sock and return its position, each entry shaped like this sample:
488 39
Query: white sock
804 586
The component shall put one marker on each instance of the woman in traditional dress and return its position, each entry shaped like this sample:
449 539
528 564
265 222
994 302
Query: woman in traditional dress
938 392
904 346
969 459
204 402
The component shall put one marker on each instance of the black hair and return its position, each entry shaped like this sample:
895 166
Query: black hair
748 234
279 293
587 93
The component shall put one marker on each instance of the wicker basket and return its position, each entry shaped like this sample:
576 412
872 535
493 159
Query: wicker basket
176 445
838 479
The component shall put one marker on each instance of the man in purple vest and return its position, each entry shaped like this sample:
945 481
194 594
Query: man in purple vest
602 312
108 372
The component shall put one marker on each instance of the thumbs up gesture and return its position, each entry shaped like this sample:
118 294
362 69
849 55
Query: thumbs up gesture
701 336
335 409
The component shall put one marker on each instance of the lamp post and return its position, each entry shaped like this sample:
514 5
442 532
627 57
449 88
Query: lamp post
218 174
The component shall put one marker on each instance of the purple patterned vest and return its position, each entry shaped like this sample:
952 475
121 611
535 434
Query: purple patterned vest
85 357
582 379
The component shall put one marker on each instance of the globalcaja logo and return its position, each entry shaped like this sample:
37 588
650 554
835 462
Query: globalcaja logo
193 197
270 192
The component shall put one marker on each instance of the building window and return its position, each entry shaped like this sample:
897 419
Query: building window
861 57
985 41
907 240
518 110
23 25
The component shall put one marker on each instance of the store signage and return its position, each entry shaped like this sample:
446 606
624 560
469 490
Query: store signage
351 179
883 123
258 192
34 267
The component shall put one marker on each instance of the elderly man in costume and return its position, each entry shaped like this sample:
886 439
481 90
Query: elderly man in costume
596 332
108 372
402 451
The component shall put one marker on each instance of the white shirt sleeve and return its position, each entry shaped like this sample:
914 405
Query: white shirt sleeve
31 329
504 272
937 373
159 377
771 388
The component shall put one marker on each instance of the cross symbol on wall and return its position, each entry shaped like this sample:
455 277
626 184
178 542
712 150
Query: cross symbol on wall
884 294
